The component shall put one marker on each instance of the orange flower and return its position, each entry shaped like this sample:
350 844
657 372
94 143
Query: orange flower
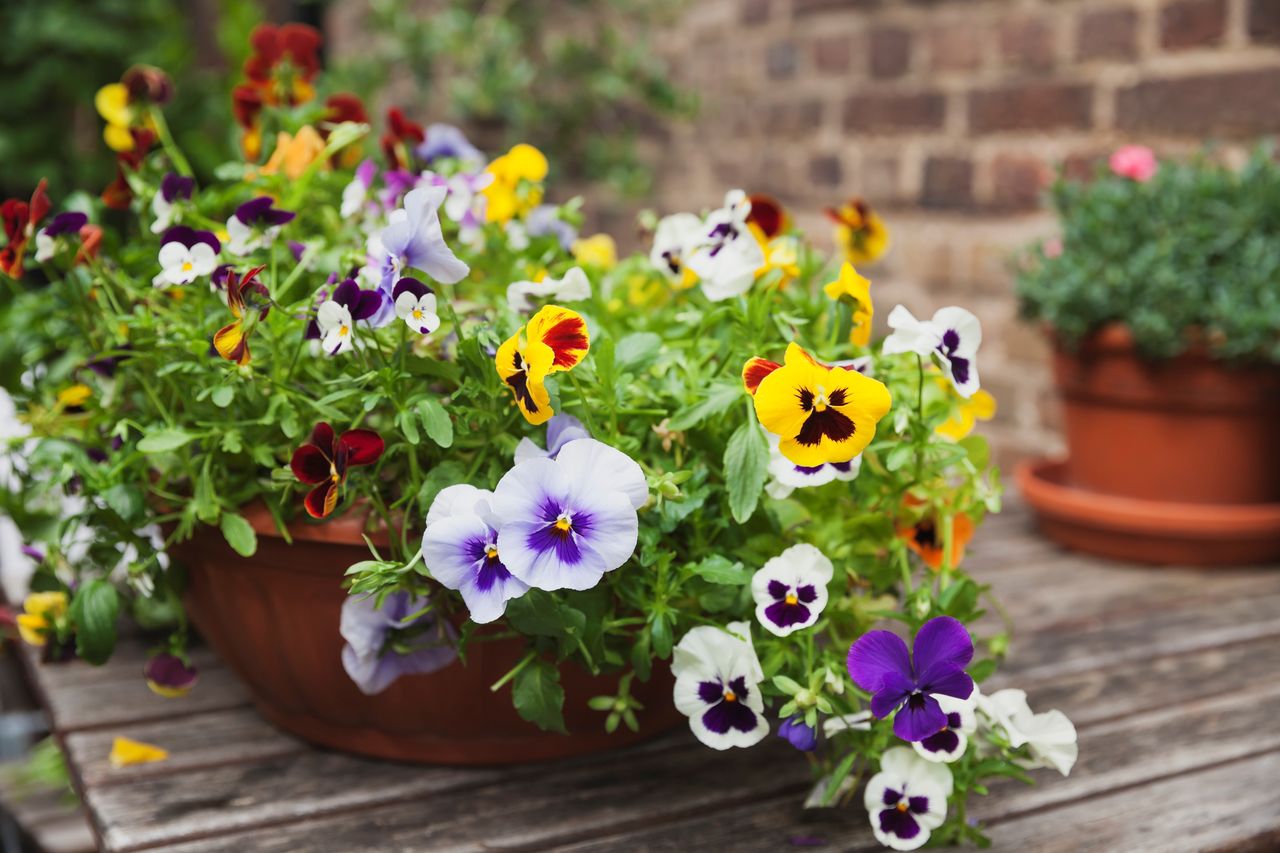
293 154
927 539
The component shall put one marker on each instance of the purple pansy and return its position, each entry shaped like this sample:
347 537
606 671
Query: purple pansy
414 240
416 305
949 743
460 548
254 224
718 685
186 254
907 683
445 140
173 188
65 224
337 317
356 193
907 799
561 430
384 643
33 552
395 184
790 590
567 521
170 676
796 732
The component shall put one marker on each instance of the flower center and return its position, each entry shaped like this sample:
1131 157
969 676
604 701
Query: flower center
820 402
491 551
343 331
730 696
791 598
902 806
564 523
417 313
187 266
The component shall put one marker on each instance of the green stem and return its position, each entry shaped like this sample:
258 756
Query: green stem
170 147
513 672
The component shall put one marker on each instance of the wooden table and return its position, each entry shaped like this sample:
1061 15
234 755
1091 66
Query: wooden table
1171 676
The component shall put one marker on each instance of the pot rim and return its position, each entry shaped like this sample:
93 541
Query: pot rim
346 529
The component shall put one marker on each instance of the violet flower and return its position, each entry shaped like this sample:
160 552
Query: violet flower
255 224
173 188
801 736
445 140
414 240
561 430
904 682
383 645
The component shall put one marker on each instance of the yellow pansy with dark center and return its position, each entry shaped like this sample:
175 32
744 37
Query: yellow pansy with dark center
821 414
555 339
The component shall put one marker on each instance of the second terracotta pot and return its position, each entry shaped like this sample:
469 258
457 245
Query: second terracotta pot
1189 429
274 619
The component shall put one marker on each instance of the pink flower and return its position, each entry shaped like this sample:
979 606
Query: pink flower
1052 247
1135 162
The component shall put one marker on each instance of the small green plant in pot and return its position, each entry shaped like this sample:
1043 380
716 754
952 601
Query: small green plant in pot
1162 297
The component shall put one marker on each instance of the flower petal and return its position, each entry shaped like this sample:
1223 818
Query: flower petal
920 717
564 331
310 464
322 500
942 639
875 656
593 467
363 446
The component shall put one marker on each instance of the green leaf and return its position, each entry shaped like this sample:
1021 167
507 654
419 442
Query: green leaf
125 501
979 451
162 441
746 467
437 422
93 612
239 534
721 570
719 398
538 696
637 350
409 426
222 396
536 613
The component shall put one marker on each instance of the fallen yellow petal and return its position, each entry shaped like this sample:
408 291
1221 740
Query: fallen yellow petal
126 752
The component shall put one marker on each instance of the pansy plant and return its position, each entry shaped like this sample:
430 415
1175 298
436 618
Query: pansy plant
186 254
791 589
255 224
336 318
416 305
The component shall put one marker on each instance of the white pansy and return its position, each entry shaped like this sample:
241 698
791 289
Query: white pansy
182 265
1050 737
573 286
337 331
718 685
790 590
674 241
907 799
950 743
729 254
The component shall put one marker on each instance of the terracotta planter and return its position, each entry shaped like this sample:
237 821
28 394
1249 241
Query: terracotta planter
1190 429
274 619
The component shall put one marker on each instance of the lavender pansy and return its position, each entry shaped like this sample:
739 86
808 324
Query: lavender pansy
787 476
718 685
384 643
186 254
465 204
795 732
416 305
729 255
567 521
174 188
255 224
445 140
460 548
336 317
561 430
524 296
790 590
65 224
544 220
949 743
414 240
907 799
900 681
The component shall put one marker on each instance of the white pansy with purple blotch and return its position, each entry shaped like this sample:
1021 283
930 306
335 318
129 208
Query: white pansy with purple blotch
907 799
729 254
951 338
718 685
1050 737
355 195
674 240
561 430
950 742
460 549
787 476
567 521
394 639
791 589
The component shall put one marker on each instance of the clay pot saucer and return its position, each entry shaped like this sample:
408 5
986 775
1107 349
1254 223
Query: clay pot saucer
1147 531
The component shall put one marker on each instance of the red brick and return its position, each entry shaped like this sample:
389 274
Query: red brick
1241 103
1031 106
1019 182
1192 23
1027 43
890 52
889 112
879 183
955 47
1264 20
1082 166
832 54
1108 34
948 183
754 12
793 117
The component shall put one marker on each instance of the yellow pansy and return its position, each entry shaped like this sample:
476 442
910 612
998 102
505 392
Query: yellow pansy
126 752
966 413
293 154
856 288
780 253
112 103
598 250
40 611
859 232
75 395
555 339
516 187
820 413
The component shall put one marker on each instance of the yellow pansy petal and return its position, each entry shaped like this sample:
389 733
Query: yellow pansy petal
31 628
126 752
983 405
598 250
75 395
526 162
523 369
117 137
959 425
112 103
563 331
51 604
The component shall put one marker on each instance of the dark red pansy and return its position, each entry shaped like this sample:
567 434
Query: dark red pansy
344 106
401 135
767 214
20 221
324 460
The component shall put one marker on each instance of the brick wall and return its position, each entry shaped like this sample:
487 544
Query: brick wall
951 116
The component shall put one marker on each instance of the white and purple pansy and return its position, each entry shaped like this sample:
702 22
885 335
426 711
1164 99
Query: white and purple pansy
949 743
908 682
186 254
465 204
790 590
460 548
561 430
400 637
729 255
416 305
525 296
65 224
674 240
414 240
336 318
174 188
355 195
787 476
951 338
718 685
907 799
446 141
255 224
567 521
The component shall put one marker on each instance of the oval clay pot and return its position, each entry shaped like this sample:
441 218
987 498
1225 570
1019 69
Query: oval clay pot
1189 429
273 618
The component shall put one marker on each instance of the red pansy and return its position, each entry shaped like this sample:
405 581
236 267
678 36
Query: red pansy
324 460
20 221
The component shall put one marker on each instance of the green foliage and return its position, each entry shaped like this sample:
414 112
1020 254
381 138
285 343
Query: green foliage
94 610
1191 255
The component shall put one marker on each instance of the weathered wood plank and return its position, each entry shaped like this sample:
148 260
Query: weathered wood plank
109 704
